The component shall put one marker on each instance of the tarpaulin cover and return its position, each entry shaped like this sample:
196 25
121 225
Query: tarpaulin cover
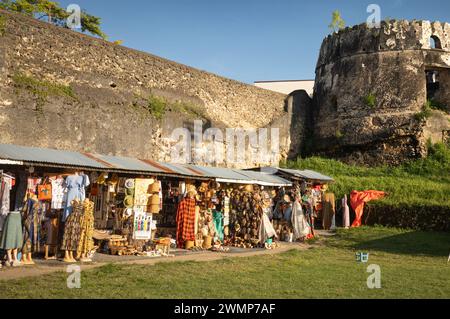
357 201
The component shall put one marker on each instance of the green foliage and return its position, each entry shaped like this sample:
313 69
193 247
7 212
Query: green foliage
92 24
42 89
339 134
337 23
53 13
425 113
370 100
2 25
157 106
187 108
419 182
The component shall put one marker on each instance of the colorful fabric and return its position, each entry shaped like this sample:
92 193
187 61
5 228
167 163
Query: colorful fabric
218 224
31 219
357 201
86 242
185 222
11 236
72 229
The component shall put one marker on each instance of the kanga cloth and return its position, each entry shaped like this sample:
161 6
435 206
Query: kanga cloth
266 229
329 209
72 228
12 236
86 242
357 201
31 220
185 221
299 222
218 224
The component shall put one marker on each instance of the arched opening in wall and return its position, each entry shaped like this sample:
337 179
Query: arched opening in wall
435 42
438 88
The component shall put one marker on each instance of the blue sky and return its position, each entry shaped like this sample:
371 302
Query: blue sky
246 40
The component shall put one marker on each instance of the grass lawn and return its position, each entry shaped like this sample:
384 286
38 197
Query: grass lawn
413 265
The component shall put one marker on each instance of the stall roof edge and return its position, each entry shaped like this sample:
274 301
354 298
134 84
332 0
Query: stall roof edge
44 157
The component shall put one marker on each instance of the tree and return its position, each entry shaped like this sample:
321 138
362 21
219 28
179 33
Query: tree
337 23
53 13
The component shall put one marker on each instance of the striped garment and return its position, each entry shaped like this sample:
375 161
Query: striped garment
185 222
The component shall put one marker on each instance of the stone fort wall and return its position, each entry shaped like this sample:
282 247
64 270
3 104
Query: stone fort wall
93 95
371 87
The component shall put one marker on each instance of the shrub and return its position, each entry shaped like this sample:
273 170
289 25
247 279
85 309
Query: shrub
157 106
370 100
42 89
425 113
2 25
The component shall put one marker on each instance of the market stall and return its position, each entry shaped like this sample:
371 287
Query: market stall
69 205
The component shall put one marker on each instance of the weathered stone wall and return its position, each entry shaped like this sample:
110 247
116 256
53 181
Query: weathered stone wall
370 87
95 94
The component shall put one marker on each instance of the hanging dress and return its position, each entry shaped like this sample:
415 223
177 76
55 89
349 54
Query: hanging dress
31 219
75 190
218 224
328 210
300 224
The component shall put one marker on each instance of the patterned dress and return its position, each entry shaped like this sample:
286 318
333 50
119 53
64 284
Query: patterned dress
72 230
31 220
86 243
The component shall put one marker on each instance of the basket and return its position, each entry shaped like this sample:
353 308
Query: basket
207 242
154 200
248 188
189 244
154 209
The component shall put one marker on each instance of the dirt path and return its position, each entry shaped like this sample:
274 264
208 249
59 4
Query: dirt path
42 268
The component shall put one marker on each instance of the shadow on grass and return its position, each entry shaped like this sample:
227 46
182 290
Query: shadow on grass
394 241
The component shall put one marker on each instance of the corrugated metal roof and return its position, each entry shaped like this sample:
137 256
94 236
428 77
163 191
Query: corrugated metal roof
56 158
184 170
307 174
266 179
47 156
224 173
127 163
